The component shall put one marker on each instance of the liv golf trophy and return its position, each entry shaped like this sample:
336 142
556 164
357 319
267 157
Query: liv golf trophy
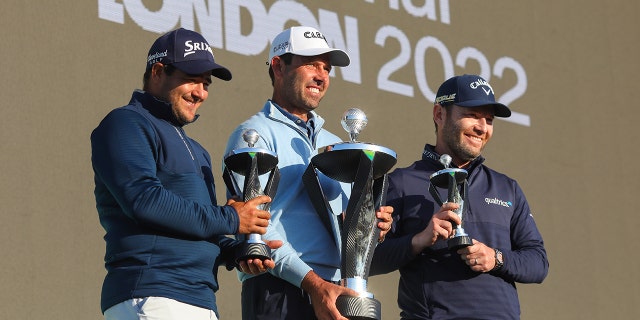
251 163
455 181
365 166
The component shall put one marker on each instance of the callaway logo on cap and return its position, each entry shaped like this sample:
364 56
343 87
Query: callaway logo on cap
188 51
470 91
306 41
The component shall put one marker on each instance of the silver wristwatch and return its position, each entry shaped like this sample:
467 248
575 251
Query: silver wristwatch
499 261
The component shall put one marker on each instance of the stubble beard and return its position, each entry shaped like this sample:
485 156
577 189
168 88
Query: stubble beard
296 93
182 113
452 136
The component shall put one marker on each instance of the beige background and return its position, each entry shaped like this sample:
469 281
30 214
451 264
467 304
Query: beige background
63 68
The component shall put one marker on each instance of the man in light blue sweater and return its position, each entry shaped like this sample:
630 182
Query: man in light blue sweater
303 284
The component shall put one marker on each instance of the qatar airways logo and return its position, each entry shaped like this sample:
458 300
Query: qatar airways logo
506 204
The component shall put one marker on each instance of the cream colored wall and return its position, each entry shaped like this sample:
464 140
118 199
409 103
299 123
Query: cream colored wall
63 68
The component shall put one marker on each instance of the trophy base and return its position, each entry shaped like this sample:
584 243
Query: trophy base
359 308
253 250
460 242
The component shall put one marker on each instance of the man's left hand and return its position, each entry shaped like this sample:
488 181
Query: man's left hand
384 221
258 266
479 256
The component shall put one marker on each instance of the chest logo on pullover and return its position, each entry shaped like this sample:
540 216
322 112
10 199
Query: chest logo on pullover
499 202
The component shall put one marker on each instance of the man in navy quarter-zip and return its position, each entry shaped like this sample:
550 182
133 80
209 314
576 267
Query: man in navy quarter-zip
302 285
479 281
155 193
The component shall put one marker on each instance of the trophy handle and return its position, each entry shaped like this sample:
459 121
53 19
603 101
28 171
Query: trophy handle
230 181
435 194
380 187
272 186
316 195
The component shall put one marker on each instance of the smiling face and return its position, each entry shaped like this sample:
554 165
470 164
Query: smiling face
185 92
300 86
463 132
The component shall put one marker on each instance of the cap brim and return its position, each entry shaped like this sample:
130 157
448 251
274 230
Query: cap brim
337 57
221 73
199 67
499 109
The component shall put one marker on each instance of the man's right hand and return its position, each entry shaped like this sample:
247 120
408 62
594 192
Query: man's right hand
440 227
252 219
323 296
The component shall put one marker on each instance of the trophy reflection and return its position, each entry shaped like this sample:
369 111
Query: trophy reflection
455 181
365 166
251 163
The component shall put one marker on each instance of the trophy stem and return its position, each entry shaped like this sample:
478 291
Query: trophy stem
254 237
451 178
460 240
251 163
358 284
359 242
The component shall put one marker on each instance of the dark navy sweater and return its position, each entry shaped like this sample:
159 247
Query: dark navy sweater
155 197
437 284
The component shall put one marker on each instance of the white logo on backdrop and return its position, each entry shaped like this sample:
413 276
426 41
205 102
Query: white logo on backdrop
221 26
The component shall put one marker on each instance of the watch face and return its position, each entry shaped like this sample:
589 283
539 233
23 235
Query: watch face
499 262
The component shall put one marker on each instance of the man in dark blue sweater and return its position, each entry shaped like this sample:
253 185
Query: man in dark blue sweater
478 281
155 193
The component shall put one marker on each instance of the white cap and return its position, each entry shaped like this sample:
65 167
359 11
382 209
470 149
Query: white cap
306 41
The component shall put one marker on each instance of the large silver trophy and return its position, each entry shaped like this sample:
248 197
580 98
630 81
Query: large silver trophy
365 166
252 162
455 181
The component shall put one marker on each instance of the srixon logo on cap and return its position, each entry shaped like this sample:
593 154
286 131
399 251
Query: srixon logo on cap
314 35
191 47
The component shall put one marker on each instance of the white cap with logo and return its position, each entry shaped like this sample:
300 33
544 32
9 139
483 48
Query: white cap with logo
306 41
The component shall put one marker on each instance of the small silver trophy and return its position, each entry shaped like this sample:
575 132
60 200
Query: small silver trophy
365 166
252 162
455 181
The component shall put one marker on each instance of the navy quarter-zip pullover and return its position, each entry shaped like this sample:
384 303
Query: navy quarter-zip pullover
437 284
156 200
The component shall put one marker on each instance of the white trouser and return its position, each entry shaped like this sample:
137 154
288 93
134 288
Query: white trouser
157 308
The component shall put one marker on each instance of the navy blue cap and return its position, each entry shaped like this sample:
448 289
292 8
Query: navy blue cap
188 51
470 91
